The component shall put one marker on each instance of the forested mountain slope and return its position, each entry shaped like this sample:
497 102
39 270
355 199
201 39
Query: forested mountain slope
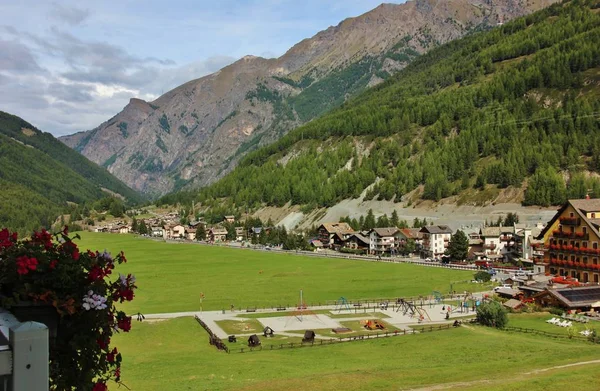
515 106
197 132
39 175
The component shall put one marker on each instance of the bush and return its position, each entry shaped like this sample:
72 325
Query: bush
556 311
492 314
482 276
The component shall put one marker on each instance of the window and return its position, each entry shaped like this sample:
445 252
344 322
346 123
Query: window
584 230
584 245
593 215
573 258
585 260
595 245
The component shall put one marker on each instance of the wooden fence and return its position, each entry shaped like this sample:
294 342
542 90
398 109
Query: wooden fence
212 338
353 338
551 335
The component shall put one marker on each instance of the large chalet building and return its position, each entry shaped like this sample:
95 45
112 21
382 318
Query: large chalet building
435 240
571 241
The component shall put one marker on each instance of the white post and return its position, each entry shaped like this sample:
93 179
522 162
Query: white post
29 343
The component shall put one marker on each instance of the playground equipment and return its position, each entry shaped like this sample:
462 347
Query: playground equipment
409 307
268 332
374 325
437 296
342 304
253 341
309 336
232 338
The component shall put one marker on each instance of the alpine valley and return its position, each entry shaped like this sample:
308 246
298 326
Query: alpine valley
196 133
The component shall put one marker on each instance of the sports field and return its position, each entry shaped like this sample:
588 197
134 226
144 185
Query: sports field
171 276
175 355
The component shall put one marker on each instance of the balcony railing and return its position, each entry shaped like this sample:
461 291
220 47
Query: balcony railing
489 246
573 249
574 265
570 235
574 221
506 238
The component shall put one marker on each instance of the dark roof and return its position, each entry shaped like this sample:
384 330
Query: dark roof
359 238
581 207
381 232
437 229
583 296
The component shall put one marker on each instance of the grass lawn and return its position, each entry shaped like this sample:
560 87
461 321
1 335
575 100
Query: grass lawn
538 320
240 326
171 276
174 355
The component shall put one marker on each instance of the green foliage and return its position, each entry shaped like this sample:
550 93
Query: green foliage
163 121
161 144
458 248
470 108
123 128
183 129
492 314
482 276
110 161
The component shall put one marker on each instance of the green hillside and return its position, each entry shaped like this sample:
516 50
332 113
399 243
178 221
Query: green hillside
514 105
39 175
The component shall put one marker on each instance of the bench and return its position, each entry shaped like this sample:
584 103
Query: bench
250 309
281 308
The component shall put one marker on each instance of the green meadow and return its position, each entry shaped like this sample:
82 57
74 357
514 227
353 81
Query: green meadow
171 276
175 355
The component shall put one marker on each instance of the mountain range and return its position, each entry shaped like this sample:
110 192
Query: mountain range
40 176
196 133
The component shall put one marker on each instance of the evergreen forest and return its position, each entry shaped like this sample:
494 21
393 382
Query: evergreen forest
41 178
514 106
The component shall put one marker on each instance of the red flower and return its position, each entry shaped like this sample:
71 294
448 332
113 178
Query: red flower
100 386
103 342
95 274
122 255
25 264
6 239
66 230
53 264
124 323
110 357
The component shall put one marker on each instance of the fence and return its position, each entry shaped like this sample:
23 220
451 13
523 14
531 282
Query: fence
552 335
212 338
356 305
353 338
24 352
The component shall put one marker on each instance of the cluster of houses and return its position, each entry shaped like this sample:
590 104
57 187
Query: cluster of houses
491 243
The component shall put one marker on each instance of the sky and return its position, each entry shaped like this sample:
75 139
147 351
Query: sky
68 66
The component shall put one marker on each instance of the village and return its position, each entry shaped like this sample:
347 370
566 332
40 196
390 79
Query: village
553 264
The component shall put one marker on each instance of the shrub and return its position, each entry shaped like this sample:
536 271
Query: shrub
492 314
49 270
482 276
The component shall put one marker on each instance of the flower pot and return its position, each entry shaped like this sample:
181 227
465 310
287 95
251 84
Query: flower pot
38 312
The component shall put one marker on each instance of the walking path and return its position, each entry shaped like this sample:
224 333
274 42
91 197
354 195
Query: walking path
433 314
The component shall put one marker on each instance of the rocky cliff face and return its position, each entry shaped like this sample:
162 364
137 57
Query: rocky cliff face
195 133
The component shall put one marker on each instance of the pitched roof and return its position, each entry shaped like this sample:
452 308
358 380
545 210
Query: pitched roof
577 296
513 304
359 238
389 231
342 228
218 231
436 229
412 233
581 207
490 231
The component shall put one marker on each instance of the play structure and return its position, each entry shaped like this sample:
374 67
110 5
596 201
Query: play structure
301 312
408 307
268 332
342 304
374 325
437 297
309 336
253 341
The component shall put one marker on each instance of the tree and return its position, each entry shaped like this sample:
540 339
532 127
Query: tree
201 232
482 276
458 248
395 220
409 247
511 219
369 221
492 314
134 225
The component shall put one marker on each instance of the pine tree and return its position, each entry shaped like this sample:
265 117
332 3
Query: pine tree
458 248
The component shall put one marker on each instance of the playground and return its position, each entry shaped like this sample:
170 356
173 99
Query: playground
251 326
